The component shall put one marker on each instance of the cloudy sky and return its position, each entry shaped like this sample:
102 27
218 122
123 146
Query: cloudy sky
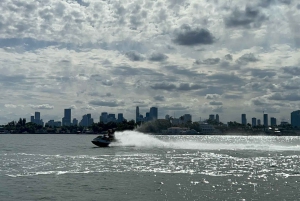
183 56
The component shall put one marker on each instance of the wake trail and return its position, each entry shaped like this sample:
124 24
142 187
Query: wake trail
140 140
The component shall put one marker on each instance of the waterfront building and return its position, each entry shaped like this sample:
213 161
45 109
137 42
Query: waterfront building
266 122
217 118
258 122
75 122
273 121
32 119
253 121
295 118
244 119
153 113
66 120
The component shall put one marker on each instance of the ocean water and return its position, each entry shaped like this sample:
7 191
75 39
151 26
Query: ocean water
146 167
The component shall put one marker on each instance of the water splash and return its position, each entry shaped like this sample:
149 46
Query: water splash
137 139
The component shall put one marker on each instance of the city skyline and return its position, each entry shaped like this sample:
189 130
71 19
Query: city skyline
88 119
184 57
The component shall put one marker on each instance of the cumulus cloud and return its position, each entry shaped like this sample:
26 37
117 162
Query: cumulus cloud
42 107
134 56
215 103
247 58
158 57
159 98
212 96
228 57
189 36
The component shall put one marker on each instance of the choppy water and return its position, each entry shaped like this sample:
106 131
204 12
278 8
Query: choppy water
143 167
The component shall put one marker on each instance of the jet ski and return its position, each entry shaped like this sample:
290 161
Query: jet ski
105 140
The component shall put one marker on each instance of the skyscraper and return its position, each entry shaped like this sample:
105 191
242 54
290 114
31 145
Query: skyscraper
273 121
244 119
212 117
66 120
295 119
120 117
253 121
217 118
258 122
266 122
153 113
137 114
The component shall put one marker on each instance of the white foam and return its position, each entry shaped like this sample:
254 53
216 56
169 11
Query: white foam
137 139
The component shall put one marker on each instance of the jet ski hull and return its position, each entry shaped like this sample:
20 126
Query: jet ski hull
101 142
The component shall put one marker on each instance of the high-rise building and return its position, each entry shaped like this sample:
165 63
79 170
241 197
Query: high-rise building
153 113
120 117
66 120
244 119
273 121
87 120
37 117
217 118
103 117
137 114
295 119
75 122
266 122
211 117
167 117
253 121
258 122
32 119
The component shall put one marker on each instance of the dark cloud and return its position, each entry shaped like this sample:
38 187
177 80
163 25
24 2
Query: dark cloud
225 78
164 86
247 58
228 57
298 6
210 61
232 96
291 70
215 103
134 56
28 44
106 103
262 73
268 3
249 18
159 98
287 97
193 36
158 57
83 3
